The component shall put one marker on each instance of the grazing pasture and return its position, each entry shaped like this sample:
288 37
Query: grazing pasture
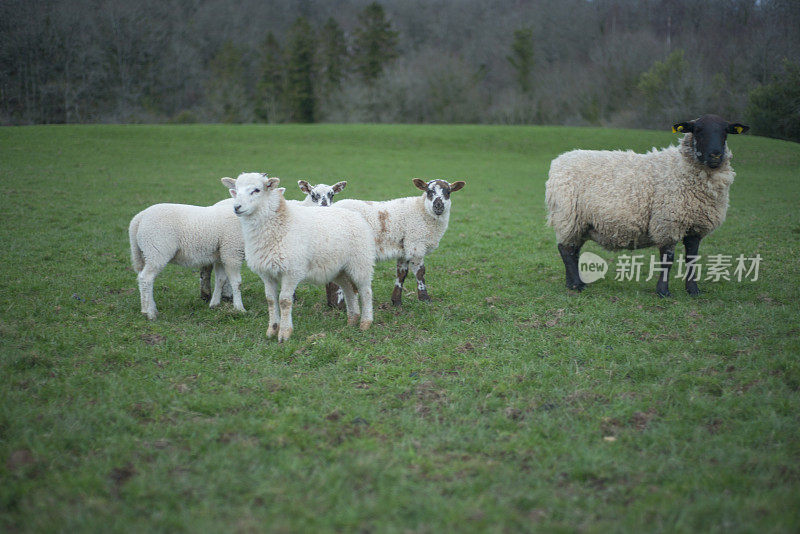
506 403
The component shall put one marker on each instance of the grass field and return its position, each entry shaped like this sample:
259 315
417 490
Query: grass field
505 404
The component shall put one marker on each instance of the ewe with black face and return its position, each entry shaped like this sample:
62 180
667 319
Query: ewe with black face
625 200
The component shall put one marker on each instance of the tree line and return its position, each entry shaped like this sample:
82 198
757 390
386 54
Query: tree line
632 63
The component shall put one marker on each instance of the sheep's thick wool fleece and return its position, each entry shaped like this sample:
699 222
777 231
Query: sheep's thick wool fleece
625 200
403 228
319 243
192 236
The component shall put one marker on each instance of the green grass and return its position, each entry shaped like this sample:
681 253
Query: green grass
491 408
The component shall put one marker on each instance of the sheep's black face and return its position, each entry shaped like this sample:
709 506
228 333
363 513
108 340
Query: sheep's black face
709 134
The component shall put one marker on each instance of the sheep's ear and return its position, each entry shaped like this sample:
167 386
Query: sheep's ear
280 190
305 187
737 128
683 127
455 186
271 182
230 183
420 184
338 186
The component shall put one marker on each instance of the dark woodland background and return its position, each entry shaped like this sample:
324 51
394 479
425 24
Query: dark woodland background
631 63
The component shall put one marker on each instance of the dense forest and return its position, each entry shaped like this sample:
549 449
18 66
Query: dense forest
637 63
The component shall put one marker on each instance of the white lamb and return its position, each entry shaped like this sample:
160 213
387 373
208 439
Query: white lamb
287 244
316 195
192 236
408 229
625 200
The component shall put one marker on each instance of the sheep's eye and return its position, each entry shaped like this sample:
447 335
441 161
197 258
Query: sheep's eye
254 191
430 193
314 197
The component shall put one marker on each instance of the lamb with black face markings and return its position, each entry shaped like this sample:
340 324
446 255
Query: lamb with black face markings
624 200
407 229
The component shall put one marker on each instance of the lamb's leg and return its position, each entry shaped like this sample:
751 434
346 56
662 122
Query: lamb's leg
288 285
219 280
570 255
350 300
146 280
667 254
418 266
365 292
334 295
402 271
205 282
271 292
692 245
234 280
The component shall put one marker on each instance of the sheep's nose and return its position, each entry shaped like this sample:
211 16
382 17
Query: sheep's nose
438 206
716 154
324 203
237 209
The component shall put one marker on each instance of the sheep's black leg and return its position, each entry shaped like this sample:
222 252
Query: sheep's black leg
570 254
667 254
205 282
397 292
692 245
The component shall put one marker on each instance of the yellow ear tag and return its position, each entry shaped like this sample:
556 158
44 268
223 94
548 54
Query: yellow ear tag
738 129
676 129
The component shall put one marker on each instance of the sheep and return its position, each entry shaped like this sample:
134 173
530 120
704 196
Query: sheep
290 243
192 236
316 195
407 229
625 200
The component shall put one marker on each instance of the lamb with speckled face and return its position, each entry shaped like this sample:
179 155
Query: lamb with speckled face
408 229
624 200
287 244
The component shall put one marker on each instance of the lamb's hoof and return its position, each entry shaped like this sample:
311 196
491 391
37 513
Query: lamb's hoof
213 305
424 296
663 294
352 320
284 334
693 291
580 286
151 316
272 330
205 296
397 302
365 325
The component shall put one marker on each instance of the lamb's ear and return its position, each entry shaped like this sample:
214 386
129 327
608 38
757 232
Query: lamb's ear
455 186
338 186
271 182
281 190
683 127
230 183
305 187
736 128
420 184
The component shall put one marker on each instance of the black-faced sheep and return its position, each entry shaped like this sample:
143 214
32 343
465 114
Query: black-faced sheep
625 200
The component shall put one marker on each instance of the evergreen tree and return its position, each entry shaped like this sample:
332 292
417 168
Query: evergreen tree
271 89
333 52
375 42
225 91
521 57
300 71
